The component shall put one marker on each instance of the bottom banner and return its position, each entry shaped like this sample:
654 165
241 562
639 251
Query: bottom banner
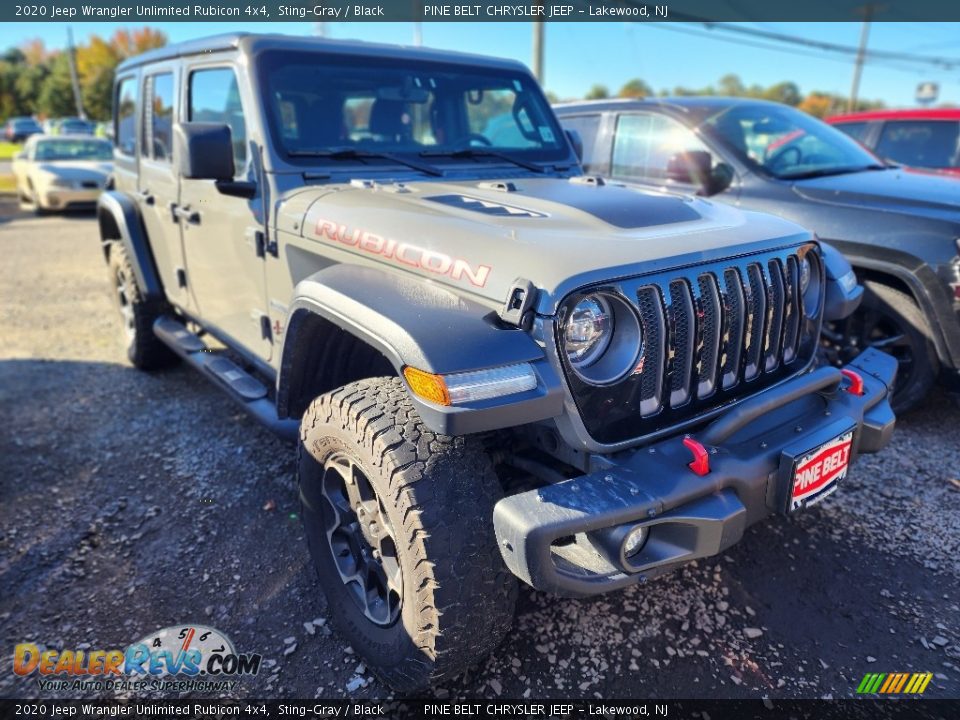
675 709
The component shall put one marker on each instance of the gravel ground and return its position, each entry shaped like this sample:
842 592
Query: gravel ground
130 502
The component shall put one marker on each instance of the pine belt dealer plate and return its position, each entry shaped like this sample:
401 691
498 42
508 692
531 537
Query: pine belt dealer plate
818 473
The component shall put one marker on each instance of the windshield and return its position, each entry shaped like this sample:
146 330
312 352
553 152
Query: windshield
324 108
73 150
787 143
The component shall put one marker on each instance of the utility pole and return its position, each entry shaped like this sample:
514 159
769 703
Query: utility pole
72 62
861 55
538 51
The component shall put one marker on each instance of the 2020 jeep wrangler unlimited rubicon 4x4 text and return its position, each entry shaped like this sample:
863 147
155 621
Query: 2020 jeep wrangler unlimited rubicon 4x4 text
494 366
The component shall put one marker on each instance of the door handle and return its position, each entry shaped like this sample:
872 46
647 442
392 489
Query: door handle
184 213
146 197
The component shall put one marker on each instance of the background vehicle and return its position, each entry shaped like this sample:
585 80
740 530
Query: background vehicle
75 126
899 229
918 138
19 129
493 366
62 172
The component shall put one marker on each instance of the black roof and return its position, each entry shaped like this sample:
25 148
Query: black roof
251 43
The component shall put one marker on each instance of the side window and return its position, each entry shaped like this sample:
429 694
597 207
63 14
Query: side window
157 141
587 126
215 98
644 145
923 143
124 131
856 130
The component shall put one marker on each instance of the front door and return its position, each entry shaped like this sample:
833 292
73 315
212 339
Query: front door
157 188
220 232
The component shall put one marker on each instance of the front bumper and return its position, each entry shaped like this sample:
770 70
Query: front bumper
64 197
562 538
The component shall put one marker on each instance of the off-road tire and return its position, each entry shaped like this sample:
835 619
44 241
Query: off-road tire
438 494
144 350
904 311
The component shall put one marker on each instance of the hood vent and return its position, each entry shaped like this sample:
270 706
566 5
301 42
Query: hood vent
465 202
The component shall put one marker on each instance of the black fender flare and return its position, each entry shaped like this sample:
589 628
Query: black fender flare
119 220
425 325
927 290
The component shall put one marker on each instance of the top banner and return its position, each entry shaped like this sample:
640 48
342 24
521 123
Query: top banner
261 11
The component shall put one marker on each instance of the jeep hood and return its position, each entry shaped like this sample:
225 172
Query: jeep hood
479 237
907 192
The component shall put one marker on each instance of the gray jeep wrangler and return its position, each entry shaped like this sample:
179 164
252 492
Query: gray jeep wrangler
494 366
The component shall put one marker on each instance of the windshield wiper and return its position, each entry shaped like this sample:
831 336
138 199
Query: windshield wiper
355 154
824 172
482 152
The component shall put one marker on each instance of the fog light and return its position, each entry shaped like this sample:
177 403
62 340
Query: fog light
634 541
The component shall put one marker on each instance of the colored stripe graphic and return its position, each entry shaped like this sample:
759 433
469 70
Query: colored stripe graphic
894 683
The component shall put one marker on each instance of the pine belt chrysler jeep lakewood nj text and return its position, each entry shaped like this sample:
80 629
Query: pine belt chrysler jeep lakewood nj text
495 366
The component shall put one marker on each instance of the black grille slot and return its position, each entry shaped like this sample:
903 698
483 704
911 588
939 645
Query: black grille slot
654 352
791 313
756 315
710 325
777 300
712 334
682 334
734 304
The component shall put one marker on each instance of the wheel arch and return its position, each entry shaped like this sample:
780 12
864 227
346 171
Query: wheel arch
364 320
118 219
924 287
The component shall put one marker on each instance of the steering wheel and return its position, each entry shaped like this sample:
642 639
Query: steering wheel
779 157
478 138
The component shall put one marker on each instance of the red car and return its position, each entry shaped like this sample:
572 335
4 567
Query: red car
917 138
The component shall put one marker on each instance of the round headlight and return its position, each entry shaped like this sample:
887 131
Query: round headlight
602 338
588 331
811 283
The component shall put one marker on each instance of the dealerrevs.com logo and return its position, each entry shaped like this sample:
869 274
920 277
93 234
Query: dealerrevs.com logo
176 658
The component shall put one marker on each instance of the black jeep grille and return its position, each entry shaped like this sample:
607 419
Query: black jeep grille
712 334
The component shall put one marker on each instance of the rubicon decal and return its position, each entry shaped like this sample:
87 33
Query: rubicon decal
404 253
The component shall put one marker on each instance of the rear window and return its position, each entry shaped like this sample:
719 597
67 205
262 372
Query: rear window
921 143
856 130
158 118
126 113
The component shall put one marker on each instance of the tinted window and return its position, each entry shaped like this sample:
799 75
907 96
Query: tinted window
587 126
645 144
126 108
785 142
856 130
215 98
921 143
158 118
404 107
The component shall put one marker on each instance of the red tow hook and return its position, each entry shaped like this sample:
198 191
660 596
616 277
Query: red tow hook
701 458
856 382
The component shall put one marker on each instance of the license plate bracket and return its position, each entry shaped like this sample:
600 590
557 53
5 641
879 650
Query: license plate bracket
812 469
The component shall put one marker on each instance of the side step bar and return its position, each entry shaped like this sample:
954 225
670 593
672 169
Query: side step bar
244 388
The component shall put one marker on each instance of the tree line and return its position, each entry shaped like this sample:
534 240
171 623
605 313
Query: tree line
37 81
818 104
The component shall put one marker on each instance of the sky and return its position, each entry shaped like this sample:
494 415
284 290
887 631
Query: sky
665 55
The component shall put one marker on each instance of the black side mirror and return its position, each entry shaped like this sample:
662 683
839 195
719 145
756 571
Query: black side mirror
576 142
695 167
204 151
691 167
